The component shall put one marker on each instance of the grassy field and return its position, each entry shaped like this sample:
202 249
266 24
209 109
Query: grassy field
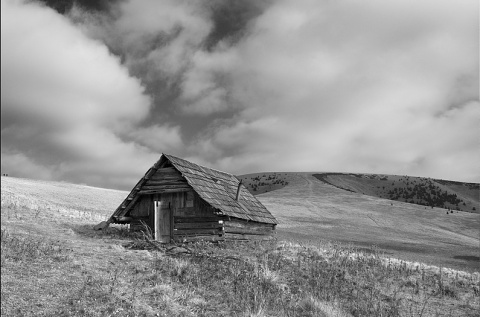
56 198
54 264
310 211
448 195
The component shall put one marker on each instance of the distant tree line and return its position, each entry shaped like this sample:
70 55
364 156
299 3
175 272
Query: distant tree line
270 182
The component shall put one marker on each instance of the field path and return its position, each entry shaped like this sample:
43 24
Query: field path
310 210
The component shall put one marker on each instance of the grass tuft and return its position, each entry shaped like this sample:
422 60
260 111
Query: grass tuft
18 248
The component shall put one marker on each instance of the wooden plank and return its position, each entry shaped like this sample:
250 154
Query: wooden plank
166 179
255 231
166 224
130 203
165 187
145 218
164 163
150 172
203 225
197 219
138 224
163 178
187 232
250 225
187 210
157 220
167 170
170 176
198 238
245 237
162 191
142 207
174 182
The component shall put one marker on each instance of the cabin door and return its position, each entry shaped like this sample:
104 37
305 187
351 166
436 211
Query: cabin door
163 221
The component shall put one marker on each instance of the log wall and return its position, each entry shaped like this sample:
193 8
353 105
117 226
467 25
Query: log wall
193 218
237 229
143 207
196 220
138 224
165 180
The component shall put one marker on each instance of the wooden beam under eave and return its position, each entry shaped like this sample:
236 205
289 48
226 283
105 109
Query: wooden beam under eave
163 191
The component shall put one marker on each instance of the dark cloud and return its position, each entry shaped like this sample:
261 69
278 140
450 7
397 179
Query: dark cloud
68 105
242 86
64 6
231 19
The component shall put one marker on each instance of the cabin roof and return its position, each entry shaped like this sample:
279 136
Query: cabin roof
217 188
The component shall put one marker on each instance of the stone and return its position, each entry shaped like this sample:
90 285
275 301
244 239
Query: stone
102 225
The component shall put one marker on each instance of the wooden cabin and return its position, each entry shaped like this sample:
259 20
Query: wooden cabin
181 201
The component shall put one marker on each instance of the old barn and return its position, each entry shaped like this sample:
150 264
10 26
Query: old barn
181 201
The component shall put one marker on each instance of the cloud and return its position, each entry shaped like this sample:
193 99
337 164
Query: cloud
158 138
69 107
95 95
173 43
155 38
344 87
14 164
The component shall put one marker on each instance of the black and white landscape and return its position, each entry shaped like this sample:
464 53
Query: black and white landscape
354 123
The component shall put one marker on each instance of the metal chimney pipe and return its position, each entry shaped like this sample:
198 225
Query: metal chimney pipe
238 190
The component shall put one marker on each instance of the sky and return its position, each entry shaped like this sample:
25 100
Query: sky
94 92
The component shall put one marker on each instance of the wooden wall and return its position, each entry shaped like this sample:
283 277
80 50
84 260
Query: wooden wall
142 213
196 220
238 229
165 180
193 219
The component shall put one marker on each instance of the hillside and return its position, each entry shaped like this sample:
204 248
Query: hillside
310 210
54 264
58 198
449 195
444 194
259 183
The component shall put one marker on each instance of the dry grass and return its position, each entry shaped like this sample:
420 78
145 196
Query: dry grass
66 200
54 264
380 186
225 279
309 210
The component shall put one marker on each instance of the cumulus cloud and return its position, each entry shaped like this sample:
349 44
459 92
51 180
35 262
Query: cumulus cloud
68 105
156 39
172 46
377 87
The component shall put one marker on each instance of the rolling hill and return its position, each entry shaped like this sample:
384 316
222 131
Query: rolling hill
62 200
446 194
312 210
307 208
440 193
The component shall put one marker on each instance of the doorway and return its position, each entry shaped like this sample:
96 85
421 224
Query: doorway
162 221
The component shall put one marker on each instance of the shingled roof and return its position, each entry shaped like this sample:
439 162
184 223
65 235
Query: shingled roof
215 187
